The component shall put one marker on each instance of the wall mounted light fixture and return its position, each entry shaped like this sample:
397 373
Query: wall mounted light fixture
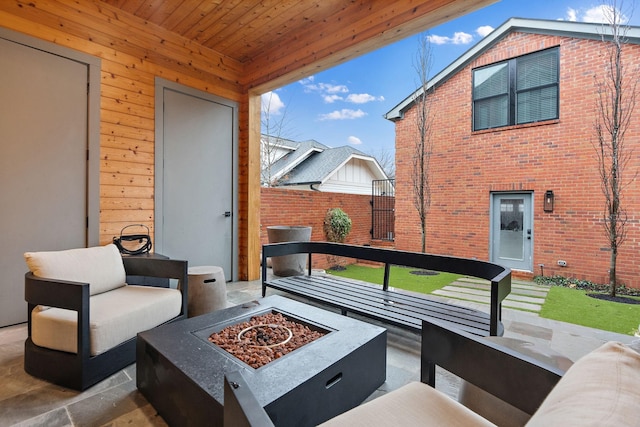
548 201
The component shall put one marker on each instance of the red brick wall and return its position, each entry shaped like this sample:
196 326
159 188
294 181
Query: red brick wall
308 208
555 155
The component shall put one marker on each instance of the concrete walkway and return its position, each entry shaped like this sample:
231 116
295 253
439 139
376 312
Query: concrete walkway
525 296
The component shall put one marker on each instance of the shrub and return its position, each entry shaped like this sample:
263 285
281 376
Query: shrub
586 285
337 225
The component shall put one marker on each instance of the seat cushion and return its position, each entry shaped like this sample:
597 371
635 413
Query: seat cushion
601 388
114 317
415 404
100 266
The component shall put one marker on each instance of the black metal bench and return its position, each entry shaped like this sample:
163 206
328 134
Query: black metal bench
403 309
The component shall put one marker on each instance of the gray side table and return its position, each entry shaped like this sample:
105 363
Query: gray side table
207 289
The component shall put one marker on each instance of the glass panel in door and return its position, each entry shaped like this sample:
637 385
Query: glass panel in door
512 230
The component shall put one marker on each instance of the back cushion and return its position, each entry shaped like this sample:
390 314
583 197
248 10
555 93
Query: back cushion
602 388
100 266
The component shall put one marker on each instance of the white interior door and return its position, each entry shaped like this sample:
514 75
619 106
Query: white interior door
43 163
196 180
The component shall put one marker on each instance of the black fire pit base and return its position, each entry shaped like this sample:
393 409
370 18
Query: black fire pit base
182 375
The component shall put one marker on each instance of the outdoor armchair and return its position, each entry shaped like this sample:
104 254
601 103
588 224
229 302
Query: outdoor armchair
83 318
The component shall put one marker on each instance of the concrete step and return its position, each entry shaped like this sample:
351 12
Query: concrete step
531 291
524 295
485 299
521 306
512 296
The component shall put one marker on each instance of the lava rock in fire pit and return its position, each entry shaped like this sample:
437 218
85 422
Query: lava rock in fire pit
264 338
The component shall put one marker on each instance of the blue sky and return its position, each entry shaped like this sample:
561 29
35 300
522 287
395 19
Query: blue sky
345 104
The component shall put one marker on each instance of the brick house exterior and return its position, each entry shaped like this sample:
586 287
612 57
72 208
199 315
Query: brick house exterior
477 174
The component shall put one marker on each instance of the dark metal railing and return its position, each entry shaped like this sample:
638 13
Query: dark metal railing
383 203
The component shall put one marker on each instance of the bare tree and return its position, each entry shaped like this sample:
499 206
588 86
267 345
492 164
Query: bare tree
386 160
423 147
274 121
616 98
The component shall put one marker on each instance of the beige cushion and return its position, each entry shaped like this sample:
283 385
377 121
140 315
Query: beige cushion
100 266
115 317
601 388
415 404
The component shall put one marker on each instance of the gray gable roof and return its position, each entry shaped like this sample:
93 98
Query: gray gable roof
311 162
302 151
583 30
320 166
280 142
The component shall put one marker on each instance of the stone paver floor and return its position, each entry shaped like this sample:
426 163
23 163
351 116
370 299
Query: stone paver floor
525 296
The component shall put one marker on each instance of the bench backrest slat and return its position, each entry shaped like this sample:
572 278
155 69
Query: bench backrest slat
449 264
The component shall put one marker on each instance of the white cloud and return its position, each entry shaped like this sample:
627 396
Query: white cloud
603 13
438 39
331 88
308 80
354 140
330 99
310 85
363 98
484 30
344 114
462 38
598 14
271 103
330 93
459 37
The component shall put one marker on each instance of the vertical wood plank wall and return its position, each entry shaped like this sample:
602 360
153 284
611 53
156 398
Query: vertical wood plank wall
132 54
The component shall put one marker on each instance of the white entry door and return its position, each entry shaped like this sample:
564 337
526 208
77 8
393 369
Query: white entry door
43 163
195 165
512 230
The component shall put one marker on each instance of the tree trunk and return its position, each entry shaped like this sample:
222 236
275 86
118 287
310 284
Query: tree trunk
612 273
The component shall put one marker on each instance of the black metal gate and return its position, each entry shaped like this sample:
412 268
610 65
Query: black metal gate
383 202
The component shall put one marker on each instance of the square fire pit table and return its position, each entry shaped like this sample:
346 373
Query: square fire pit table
181 373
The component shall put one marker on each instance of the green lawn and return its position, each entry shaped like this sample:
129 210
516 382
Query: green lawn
574 306
562 303
399 277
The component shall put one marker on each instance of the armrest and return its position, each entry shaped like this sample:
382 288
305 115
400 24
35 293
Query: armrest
500 289
60 294
55 293
241 408
158 267
163 268
511 376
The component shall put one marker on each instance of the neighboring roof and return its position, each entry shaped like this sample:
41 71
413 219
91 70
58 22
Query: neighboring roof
582 30
314 163
319 167
299 154
279 142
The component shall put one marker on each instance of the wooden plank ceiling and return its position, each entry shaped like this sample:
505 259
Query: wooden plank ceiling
279 41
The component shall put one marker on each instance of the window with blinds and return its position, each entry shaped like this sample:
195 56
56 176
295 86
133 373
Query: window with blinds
520 90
